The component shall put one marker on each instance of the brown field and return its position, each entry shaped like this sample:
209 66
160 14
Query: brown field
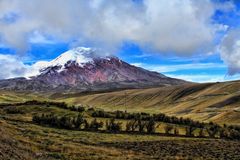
21 139
217 102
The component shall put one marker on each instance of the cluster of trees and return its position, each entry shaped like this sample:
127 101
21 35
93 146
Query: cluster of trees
75 123
35 102
80 123
13 110
148 126
146 117
137 122
214 131
62 105
77 108
228 132
60 121
136 126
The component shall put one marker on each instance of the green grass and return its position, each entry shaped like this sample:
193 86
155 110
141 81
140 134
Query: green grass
26 140
217 102
195 101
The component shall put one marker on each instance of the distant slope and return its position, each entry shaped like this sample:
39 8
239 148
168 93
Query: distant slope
218 102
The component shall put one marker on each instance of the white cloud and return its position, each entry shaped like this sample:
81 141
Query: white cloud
39 38
11 67
179 67
138 64
203 78
199 77
180 26
230 51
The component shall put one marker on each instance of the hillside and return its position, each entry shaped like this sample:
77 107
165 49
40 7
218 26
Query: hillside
44 130
53 130
218 102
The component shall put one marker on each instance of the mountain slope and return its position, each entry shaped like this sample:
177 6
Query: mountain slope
82 69
218 102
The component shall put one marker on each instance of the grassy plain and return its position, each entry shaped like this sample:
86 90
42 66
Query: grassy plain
218 102
22 139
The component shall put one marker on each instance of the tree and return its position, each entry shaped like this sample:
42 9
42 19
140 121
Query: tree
128 126
151 125
141 125
79 121
176 131
80 109
189 131
201 132
67 122
131 125
113 126
224 133
86 125
168 129
212 131
95 125
234 134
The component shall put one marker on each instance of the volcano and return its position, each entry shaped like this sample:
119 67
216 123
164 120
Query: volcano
82 69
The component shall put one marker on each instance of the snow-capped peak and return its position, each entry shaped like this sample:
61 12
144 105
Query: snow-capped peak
78 55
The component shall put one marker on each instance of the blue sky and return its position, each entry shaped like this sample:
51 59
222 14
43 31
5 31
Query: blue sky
192 40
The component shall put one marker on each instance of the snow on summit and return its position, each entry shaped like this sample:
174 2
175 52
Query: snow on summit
79 55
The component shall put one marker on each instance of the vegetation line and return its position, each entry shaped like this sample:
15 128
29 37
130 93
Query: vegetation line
142 123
